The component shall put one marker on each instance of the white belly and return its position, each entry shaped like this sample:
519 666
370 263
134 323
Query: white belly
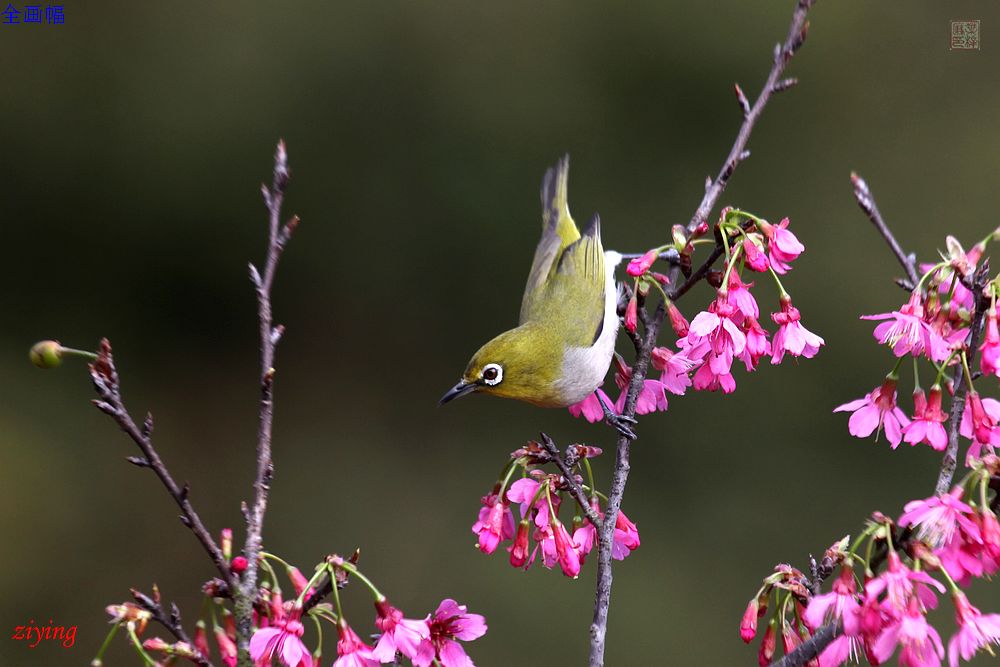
584 368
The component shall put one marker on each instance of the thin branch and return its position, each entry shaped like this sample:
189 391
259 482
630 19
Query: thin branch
278 237
104 375
713 190
866 201
171 622
574 486
950 460
810 648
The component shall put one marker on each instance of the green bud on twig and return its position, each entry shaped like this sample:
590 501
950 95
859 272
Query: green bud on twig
46 354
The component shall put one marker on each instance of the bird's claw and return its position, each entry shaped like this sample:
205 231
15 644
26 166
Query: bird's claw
621 424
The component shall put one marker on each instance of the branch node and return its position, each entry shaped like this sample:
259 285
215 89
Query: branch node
742 99
147 425
784 84
105 407
139 461
254 275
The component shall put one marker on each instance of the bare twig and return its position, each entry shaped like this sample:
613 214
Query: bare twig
713 190
574 486
278 237
950 460
171 622
104 375
867 203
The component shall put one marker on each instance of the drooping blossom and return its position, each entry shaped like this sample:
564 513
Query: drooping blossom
351 651
678 322
590 407
989 360
755 257
626 537
900 584
450 624
716 338
632 314
876 411
738 294
398 634
792 337
757 344
920 644
783 246
566 550
676 369
520 551
585 536
928 420
767 645
525 492
840 605
652 397
230 656
748 624
979 423
495 524
975 631
906 331
939 517
640 265
282 640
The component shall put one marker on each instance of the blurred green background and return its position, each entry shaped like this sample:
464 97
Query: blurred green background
135 137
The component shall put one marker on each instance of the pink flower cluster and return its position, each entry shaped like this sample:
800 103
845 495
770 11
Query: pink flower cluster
949 533
540 499
727 331
934 325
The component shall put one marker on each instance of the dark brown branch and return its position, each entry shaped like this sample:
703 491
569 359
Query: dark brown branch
171 622
782 54
713 190
810 648
867 203
104 375
278 237
574 486
950 460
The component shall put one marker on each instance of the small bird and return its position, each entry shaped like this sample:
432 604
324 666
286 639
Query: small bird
561 350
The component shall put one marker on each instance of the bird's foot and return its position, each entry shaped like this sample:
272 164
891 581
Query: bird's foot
620 423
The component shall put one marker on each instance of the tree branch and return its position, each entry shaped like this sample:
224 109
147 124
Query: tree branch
278 237
810 648
171 622
782 54
104 375
867 203
950 460
574 486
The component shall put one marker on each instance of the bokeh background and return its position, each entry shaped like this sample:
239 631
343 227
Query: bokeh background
134 138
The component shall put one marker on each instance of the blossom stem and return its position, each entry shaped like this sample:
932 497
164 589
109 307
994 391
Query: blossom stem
311 583
336 593
590 477
99 658
552 511
77 353
934 269
271 573
944 367
968 373
138 646
365 580
916 375
782 294
729 266
318 653
508 473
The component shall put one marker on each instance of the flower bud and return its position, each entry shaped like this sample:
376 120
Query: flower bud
767 646
226 542
519 551
46 354
679 234
678 322
640 265
631 314
748 626
239 564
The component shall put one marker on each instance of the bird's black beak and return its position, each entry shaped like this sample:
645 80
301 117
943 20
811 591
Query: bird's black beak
460 389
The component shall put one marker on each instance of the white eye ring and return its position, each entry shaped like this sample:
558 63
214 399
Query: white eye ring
497 376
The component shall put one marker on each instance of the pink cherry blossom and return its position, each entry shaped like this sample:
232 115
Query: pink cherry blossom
495 524
900 584
640 265
590 407
757 344
928 420
566 550
876 411
716 339
652 397
755 257
975 630
738 295
840 604
989 361
938 518
351 651
282 641
676 369
524 491
783 246
520 554
626 537
792 337
631 314
678 322
979 423
767 646
920 643
450 624
398 633
748 624
906 331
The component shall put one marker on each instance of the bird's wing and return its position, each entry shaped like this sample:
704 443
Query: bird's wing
572 300
558 232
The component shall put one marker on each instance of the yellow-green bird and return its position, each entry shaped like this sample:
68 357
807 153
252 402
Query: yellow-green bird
561 350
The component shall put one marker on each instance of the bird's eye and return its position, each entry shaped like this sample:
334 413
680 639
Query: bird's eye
492 374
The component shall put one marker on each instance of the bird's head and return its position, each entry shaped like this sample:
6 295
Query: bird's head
522 363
